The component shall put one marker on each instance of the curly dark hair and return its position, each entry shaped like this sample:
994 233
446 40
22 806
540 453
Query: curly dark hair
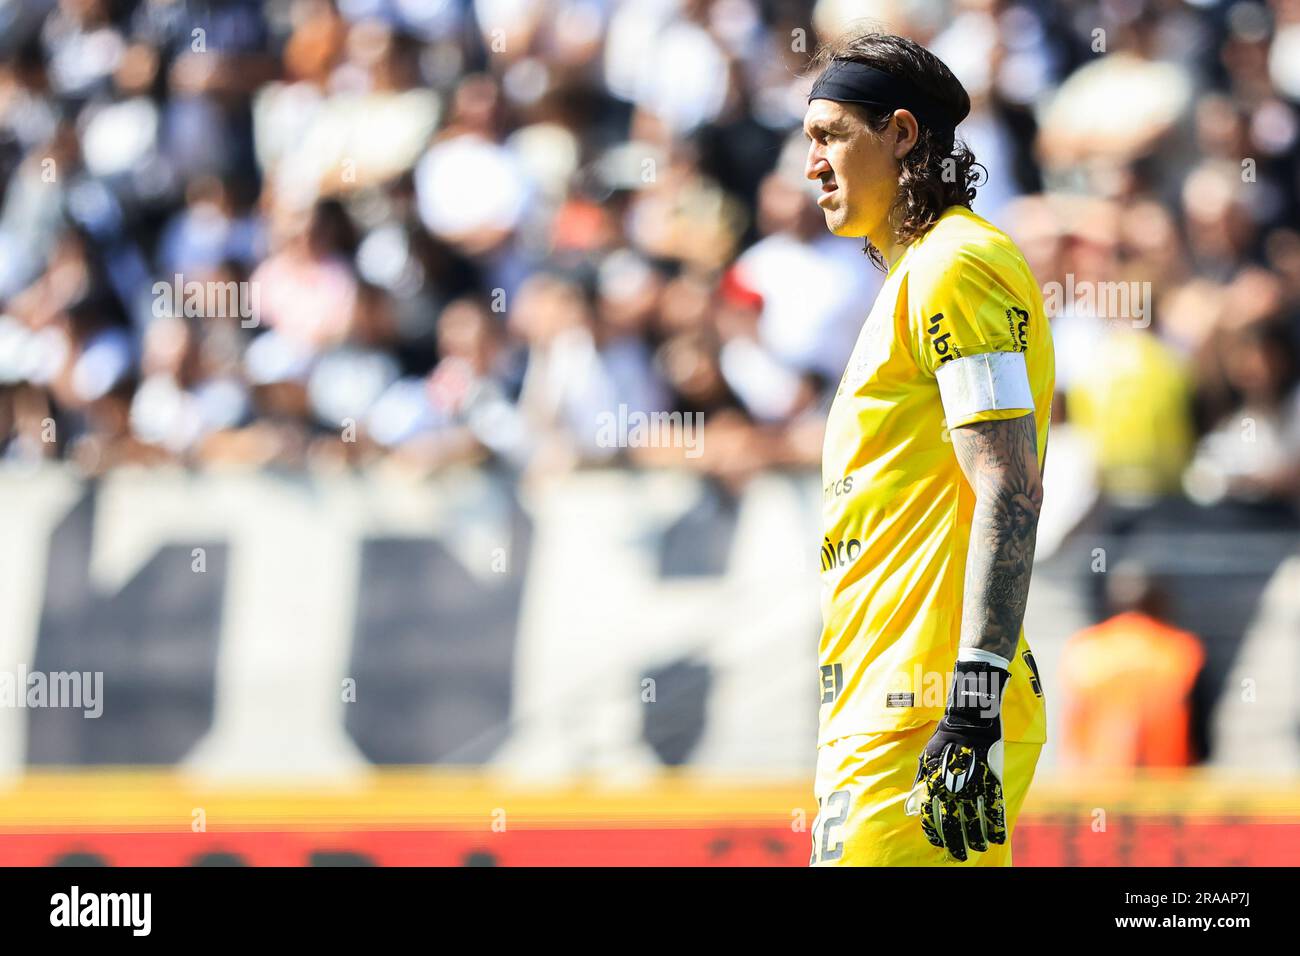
937 172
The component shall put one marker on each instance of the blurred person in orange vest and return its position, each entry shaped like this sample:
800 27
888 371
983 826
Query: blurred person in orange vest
1133 685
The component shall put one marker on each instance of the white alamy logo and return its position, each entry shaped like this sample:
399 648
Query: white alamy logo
1110 301
213 300
102 909
651 430
79 690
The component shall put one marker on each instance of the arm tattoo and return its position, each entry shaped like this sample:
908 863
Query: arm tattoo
1000 460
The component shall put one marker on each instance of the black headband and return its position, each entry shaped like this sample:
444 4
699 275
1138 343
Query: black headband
848 81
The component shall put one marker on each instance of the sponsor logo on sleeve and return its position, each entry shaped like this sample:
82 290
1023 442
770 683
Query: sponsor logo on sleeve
945 350
1018 326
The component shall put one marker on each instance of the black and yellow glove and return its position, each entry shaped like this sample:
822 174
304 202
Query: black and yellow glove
958 786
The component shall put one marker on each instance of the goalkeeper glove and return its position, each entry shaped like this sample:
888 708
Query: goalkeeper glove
958 786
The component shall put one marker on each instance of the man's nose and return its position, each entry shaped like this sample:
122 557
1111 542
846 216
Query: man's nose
817 166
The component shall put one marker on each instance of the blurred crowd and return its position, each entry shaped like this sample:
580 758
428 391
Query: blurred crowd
398 233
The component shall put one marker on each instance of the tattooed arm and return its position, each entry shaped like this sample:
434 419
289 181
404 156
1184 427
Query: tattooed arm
958 787
1000 460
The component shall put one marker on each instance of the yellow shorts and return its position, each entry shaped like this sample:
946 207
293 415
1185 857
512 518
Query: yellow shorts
862 783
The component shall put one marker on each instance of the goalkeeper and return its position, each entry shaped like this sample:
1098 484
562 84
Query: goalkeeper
932 714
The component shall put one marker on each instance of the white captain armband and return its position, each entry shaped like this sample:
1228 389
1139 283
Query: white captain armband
984 383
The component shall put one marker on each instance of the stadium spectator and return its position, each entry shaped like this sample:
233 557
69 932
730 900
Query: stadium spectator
1131 685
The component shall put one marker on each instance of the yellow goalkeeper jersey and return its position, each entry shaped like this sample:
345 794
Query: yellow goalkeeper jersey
896 507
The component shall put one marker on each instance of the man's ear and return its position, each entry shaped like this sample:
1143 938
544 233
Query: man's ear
907 131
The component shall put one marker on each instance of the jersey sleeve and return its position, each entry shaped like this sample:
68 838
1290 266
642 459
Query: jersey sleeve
969 329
